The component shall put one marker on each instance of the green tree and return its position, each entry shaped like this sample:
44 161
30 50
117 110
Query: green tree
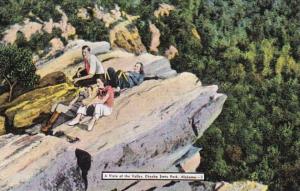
17 68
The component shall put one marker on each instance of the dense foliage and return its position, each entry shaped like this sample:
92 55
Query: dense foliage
251 49
17 68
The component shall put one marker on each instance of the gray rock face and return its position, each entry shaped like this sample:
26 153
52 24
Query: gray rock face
188 186
160 68
96 47
152 127
154 66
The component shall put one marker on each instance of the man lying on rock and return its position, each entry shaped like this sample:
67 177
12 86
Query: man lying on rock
92 70
123 80
102 105
70 110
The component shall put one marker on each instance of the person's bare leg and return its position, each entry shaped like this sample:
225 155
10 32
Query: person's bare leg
76 120
51 121
91 124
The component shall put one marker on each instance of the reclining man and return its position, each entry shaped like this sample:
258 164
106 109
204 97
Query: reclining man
91 72
126 79
102 105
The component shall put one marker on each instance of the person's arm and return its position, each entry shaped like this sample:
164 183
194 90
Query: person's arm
83 78
80 69
73 101
140 79
89 100
92 70
101 100
137 78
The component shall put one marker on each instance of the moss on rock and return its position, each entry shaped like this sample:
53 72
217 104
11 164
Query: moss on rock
24 110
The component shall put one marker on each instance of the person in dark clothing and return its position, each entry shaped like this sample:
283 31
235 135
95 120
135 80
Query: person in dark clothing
126 79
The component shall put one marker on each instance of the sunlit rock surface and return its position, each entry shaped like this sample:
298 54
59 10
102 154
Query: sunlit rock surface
71 55
125 35
151 128
27 108
163 10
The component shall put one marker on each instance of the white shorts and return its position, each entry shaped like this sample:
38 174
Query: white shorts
100 110
60 108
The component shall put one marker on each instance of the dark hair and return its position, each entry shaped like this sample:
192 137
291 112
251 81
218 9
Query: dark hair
141 68
86 46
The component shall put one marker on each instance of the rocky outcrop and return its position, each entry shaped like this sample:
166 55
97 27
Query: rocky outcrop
242 186
171 52
151 129
107 17
209 186
154 38
2 125
66 28
52 79
154 66
83 14
27 108
29 28
56 46
125 35
72 55
163 10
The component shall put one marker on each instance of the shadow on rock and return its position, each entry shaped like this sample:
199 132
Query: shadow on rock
84 161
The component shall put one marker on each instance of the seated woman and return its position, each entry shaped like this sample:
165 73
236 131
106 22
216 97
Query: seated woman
102 105
69 110
126 79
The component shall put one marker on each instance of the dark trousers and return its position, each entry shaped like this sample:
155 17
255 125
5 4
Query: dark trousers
87 82
114 80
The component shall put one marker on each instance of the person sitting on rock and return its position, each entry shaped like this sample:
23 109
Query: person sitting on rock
93 69
102 105
69 110
127 79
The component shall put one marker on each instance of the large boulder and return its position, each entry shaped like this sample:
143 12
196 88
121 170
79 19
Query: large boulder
163 10
28 29
72 55
154 66
25 110
125 35
152 127
107 17
56 46
52 79
171 52
210 186
2 125
154 38
242 186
